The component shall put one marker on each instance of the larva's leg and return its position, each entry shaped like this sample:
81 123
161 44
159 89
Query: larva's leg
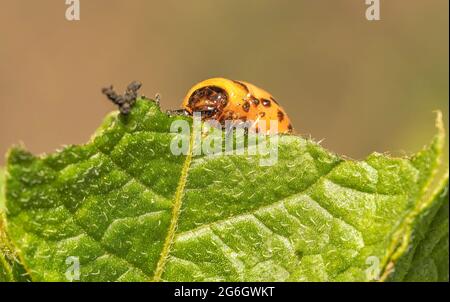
182 112
158 99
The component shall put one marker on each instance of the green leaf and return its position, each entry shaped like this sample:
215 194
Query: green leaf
2 194
10 267
427 257
129 210
5 268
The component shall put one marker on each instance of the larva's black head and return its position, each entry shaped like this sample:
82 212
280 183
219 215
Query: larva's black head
209 100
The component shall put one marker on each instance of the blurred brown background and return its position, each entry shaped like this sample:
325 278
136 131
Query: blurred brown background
362 85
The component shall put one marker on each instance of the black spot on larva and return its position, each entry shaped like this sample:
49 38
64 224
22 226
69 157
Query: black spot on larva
246 106
273 100
265 102
254 100
242 85
262 114
209 100
280 115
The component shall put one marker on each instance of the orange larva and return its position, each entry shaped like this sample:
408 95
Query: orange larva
223 99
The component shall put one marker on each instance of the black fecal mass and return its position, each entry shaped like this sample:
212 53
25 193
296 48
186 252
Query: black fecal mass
209 100
125 101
